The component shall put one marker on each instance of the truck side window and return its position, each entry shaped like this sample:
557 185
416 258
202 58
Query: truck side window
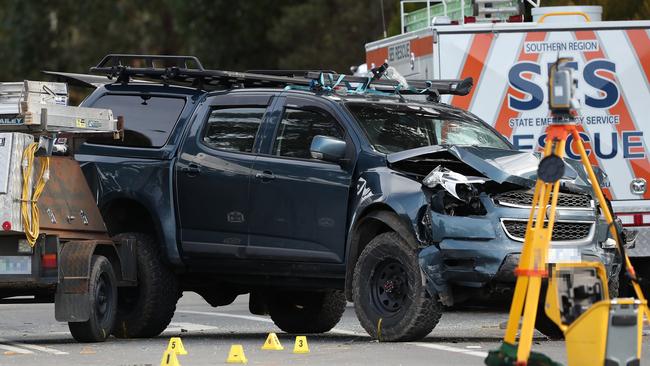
298 128
233 129
148 120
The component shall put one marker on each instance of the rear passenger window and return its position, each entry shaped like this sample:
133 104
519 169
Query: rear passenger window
233 129
148 120
298 128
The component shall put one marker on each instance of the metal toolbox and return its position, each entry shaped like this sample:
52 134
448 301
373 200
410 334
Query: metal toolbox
36 106
12 146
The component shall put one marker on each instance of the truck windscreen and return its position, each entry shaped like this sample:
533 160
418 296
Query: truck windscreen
393 128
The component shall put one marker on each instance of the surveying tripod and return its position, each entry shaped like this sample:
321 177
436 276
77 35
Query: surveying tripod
533 264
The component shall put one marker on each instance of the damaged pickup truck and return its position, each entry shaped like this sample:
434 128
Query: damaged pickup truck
307 198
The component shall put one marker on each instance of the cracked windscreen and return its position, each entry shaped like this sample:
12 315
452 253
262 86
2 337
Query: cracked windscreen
394 128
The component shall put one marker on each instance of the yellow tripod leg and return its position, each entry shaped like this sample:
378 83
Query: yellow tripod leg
515 309
608 215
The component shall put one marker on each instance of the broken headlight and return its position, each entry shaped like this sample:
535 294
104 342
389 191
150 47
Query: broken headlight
459 196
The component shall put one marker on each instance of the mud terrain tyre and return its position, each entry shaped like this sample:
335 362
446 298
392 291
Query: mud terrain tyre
102 294
307 312
146 310
390 299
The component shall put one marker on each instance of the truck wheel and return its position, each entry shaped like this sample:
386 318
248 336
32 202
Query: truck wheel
390 299
307 312
102 294
146 310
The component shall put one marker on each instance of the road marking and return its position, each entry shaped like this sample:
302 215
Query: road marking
441 347
16 349
31 346
264 320
341 331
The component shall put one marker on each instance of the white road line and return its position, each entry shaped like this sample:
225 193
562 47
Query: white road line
34 347
178 326
260 319
441 347
342 331
16 349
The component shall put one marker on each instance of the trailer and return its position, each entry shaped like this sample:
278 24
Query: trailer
508 60
54 246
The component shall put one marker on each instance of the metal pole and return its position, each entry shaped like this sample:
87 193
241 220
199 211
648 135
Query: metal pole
383 19
401 14
428 12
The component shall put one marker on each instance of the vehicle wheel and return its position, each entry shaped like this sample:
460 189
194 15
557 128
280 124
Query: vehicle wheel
102 294
390 299
146 310
307 312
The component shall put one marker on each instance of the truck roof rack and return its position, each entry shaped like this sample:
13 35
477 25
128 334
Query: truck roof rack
188 70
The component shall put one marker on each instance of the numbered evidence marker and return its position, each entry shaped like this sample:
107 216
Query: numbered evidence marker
272 343
236 354
176 346
301 345
169 359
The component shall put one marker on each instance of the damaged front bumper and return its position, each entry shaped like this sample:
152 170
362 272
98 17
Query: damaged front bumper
475 252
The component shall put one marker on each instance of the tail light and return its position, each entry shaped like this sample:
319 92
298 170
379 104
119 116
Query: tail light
48 261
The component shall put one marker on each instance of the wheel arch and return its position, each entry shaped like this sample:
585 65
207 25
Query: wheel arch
376 219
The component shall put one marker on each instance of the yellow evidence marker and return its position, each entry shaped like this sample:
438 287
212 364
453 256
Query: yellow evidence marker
272 343
176 346
301 345
236 354
169 359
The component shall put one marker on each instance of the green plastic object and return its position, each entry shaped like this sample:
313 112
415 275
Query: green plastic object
506 355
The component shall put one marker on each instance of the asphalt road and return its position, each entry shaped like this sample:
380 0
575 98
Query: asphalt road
29 335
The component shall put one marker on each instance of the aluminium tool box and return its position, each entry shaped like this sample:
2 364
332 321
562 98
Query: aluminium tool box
37 106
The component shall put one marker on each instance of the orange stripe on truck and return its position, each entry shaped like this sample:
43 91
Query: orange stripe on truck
640 167
502 123
422 46
641 43
473 66
376 57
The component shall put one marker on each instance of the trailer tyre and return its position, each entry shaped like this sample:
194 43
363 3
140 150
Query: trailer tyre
307 312
389 294
146 310
102 294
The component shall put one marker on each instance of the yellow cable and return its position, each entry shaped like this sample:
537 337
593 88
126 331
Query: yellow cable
28 204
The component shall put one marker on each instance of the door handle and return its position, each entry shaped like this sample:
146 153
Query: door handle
192 170
265 176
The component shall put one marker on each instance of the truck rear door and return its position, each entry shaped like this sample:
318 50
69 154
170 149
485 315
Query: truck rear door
213 175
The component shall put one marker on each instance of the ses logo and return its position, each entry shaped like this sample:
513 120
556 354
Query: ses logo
609 145
591 74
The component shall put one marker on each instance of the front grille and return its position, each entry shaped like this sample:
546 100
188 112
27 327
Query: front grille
562 231
525 199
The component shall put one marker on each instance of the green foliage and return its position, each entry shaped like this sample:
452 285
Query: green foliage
71 36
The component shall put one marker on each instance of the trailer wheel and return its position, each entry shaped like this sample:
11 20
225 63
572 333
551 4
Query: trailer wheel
146 310
389 294
102 294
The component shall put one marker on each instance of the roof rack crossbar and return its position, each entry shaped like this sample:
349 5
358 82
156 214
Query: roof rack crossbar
117 65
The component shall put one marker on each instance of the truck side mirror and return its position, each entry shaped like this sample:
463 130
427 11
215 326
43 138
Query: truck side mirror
327 148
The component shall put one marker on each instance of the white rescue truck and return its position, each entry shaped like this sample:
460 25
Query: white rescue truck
509 63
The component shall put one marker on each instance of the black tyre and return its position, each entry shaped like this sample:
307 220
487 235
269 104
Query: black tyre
390 299
146 310
102 294
307 312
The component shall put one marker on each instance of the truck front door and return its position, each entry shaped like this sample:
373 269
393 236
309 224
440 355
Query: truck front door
213 176
299 204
